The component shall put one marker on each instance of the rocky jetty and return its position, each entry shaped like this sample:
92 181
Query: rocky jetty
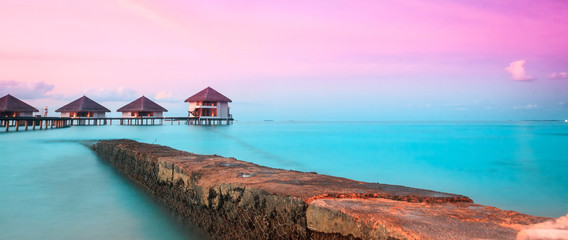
230 199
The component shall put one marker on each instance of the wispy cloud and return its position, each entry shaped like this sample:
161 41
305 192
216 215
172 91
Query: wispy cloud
517 71
528 106
163 95
119 94
559 75
149 14
25 89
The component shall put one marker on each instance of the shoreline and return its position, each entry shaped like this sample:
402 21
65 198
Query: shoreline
242 200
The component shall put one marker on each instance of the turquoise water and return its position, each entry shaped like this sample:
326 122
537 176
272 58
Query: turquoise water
53 187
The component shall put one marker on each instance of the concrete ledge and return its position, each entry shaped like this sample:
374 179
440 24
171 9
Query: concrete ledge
230 199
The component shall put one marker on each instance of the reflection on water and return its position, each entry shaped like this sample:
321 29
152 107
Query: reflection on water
58 189
51 181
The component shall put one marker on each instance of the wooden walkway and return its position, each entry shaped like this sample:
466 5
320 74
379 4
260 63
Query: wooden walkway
33 123
41 123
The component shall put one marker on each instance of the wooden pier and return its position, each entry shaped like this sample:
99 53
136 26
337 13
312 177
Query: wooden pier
151 121
42 123
33 123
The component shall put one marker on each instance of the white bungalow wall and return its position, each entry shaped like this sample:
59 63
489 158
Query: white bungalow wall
192 106
223 109
26 114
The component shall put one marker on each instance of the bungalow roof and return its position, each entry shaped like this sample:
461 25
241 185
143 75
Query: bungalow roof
83 104
10 103
208 95
142 104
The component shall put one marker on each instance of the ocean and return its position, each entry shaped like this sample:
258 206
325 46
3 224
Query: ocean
53 187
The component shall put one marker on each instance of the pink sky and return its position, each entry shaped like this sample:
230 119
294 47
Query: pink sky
430 58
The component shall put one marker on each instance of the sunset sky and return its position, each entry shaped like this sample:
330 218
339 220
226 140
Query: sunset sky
294 60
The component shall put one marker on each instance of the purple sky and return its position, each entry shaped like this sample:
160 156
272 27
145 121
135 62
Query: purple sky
295 60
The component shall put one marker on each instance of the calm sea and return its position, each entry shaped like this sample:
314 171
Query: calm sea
53 187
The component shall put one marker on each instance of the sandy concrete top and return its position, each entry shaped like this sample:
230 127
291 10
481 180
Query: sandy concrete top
408 220
308 186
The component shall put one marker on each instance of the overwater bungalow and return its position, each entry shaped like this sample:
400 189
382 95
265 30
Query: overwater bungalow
83 107
10 106
209 103
142 107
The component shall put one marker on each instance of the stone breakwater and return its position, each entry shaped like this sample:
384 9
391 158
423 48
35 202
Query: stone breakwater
230 199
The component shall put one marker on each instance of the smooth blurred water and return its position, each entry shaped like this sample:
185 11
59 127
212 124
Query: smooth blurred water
53 187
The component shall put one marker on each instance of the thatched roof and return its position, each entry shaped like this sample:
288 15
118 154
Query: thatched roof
142 104
9 103
208 95
83 104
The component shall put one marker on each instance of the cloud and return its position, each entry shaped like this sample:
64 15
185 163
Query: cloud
517 70
119 94
559 75
149 14
163 95
528 106
26 90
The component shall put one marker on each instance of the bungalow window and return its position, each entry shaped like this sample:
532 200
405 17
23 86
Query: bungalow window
84 114
207 112
10 114
142 114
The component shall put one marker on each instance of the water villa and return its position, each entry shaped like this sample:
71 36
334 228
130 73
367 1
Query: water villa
209 104
83 107
142 107
16 113
10 106
207 107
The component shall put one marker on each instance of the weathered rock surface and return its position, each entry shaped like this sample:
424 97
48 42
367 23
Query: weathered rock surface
231 199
